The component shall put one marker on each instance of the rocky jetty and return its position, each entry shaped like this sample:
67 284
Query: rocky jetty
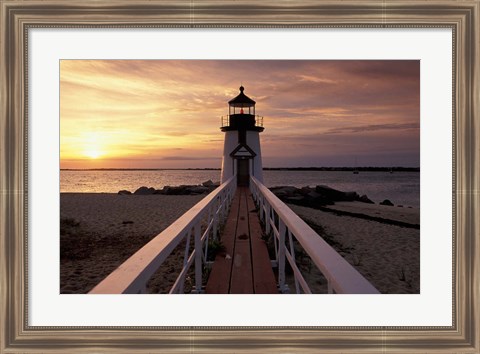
313 197
316 196
204 188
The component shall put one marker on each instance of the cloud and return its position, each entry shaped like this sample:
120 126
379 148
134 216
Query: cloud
150 107
385 70
316 79
372 127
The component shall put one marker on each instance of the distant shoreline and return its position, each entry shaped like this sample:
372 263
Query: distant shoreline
360 169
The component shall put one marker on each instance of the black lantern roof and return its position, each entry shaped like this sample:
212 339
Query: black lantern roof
241 100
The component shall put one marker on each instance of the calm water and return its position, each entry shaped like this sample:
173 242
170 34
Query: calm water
400 187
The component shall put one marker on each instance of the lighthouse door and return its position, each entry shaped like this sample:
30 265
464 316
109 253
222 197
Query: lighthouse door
243 173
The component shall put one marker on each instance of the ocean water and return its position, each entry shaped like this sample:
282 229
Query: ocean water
399 187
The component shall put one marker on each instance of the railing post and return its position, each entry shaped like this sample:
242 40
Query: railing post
275 228
198 258
224 208
329 286
215 226
267 219
220 209
292 253
260 208
207 233
281 256
185 260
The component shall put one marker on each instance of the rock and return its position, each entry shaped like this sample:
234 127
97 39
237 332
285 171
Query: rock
179 190
284 191
176 190
351 196
208 183
211 185
314 199
280 194
186 190
144 191
306 190
198 190
124 192
386 202
165 190
295 199
365 199
183 189
313 195
328 192
335 195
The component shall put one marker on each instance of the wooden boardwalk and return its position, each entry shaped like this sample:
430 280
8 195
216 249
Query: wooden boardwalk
244 266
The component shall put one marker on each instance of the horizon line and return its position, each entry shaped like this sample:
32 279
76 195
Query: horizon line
347 168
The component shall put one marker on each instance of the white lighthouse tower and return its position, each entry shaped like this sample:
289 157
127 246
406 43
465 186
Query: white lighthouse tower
241 151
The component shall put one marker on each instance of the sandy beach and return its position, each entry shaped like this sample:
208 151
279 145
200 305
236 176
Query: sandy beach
408 215
100 231
386 255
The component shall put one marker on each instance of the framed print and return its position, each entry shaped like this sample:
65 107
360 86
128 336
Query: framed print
107 93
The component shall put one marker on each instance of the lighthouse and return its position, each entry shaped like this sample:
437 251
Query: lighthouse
241 150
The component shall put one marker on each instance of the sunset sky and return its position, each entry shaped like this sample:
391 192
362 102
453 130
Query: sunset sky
166 113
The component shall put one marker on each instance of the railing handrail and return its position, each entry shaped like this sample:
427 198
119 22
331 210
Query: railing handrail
225 120
342 276
130 276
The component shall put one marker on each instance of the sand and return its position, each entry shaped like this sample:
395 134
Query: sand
408 215
386 255
100 231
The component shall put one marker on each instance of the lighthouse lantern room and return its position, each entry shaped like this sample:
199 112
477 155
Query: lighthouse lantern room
241 151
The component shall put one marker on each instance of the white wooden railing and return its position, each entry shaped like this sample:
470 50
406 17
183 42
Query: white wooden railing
201 221
278 218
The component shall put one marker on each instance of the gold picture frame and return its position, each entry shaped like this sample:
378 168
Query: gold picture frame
17 16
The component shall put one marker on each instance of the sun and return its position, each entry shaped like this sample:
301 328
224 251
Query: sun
93 153
94 145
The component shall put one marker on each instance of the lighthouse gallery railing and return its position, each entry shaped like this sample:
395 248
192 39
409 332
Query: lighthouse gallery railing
283 222
225 121
201 221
